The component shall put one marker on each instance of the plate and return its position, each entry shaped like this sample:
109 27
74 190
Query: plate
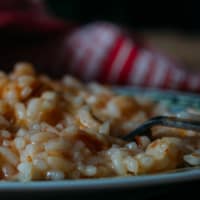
176 101
104 183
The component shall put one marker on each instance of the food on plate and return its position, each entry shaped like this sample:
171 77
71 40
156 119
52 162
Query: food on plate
64 129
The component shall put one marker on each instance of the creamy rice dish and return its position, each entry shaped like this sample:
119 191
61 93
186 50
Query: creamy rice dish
55 130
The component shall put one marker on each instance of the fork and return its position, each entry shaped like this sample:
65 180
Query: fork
168 121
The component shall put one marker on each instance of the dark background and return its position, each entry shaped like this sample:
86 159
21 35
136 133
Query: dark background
171 26
183 16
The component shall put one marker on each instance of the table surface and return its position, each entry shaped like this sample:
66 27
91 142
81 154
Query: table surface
184 47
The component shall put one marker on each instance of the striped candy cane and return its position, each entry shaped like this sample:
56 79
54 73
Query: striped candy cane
104 52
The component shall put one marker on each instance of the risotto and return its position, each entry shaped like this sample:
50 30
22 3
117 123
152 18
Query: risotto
53 130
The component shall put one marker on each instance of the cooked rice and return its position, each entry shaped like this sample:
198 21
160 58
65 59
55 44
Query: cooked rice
53 130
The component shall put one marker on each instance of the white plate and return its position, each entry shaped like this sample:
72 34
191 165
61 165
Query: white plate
133 182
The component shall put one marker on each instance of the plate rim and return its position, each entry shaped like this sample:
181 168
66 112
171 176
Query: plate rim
132 182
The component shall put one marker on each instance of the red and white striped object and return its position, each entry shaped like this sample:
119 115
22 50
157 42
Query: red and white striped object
98 51
106 53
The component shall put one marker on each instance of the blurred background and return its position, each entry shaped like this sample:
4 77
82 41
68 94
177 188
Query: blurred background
172 26
140 14
39 31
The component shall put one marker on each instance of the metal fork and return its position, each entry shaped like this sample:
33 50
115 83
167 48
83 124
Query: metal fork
167 121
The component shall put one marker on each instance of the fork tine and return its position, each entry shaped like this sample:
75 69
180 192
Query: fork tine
174 122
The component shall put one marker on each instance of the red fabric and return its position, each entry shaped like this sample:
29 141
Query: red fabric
29 33
27 16
98 51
